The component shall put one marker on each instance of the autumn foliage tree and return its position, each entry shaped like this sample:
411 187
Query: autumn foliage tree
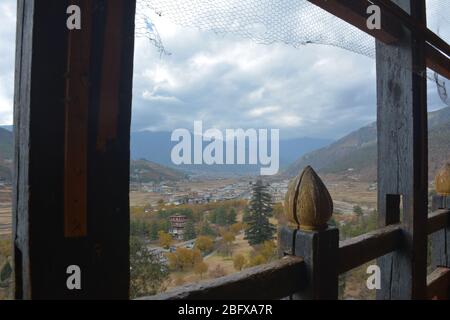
165 239
204 244
200 268
184 259
239 262
228 238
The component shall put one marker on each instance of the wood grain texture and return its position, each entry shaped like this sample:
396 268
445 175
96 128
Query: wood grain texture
359 250
438 220
418 27
438 284
319 250
355 13
393 19
272 281
438 62
42 250
402 157
286 241
76 125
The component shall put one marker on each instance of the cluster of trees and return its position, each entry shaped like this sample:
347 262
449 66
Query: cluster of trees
205 229
165 239
220 214
149 230
205 244
261 254
221 221
223 217
184 259
147 273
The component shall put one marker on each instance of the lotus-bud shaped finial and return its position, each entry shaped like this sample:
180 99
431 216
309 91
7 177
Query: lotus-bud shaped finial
443 180
308 202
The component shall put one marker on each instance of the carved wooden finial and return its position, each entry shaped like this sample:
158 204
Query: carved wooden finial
443 180
308 202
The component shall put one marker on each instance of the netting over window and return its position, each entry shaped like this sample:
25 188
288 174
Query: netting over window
293 22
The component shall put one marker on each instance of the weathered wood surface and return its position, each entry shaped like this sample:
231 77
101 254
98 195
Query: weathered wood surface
272 281
76 125
417 27
436 61
438 220
402 157
319 250
359 250
440 240
355 13
438 284
286 241
392 19
43 250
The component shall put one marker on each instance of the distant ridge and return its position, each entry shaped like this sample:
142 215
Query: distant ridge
157 146
140 171
356 153
147 171
6 154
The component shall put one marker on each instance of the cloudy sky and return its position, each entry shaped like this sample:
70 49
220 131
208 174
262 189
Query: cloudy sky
231 82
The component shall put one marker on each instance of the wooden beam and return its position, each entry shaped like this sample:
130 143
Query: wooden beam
71 204
319 250
355 13
402 158
393 20
438 284
275 280
437 62
76 126
438 220
359 250
415 26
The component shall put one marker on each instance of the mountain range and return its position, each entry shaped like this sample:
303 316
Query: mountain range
140 170
157 146
357 151
147 171
354 154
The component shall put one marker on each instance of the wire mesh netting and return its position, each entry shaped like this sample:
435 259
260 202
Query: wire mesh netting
292 22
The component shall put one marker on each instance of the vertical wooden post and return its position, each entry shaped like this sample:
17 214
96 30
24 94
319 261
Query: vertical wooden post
402 158
72 126
309 204
319 249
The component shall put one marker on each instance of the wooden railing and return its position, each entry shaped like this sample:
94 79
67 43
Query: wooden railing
287 276
402 113
275 280
314 258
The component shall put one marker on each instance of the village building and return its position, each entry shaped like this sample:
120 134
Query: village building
177 225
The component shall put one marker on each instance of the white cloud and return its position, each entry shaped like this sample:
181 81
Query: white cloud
7 53
230 82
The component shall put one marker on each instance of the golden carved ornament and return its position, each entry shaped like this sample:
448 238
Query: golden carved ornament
443 180
308 203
